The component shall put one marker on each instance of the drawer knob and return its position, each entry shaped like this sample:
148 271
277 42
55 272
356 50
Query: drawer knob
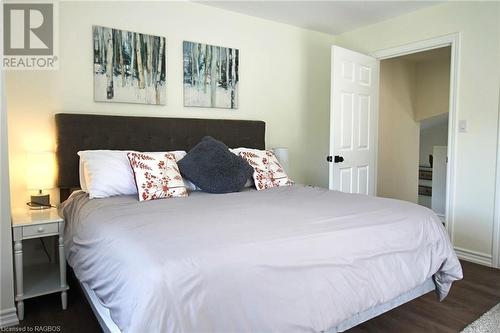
40 229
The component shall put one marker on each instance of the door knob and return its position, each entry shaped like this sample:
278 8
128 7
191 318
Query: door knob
338 159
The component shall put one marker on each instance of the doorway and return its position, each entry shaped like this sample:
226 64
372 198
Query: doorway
413 127
448 46
413 122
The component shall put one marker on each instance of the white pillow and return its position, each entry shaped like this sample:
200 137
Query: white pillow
81 172
108 173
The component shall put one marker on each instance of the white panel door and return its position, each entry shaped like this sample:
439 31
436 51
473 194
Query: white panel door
353 121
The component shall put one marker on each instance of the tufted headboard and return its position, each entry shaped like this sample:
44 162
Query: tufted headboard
77 132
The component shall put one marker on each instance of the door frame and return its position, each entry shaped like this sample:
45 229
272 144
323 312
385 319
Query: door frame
452 40
496 216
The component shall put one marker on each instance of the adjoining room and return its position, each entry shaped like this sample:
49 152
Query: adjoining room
413 127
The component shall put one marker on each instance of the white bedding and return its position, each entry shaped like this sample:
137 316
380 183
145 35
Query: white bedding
288 259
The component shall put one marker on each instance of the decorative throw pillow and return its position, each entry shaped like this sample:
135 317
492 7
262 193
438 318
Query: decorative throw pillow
106 173
156 176
236 151
213 168
268 172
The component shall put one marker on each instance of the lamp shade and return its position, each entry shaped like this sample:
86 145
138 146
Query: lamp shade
281 154
40 170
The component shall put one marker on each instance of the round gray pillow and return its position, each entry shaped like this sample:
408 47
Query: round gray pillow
213 168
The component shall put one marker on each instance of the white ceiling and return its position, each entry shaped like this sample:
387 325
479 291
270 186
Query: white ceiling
332 17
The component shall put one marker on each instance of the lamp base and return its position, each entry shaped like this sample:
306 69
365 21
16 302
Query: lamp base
40 201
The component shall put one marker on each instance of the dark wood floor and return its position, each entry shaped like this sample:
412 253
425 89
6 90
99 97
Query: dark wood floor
468 300
46 311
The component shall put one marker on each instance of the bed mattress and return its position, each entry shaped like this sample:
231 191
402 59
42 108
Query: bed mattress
288 259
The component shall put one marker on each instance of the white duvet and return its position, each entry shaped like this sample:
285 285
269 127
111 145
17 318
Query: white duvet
289 259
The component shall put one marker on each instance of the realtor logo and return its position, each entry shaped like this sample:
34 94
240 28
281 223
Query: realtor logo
28 29
29 35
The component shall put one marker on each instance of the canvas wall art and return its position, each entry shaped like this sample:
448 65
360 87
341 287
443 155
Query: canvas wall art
210 76
129 67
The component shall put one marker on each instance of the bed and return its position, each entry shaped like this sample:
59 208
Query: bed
287 259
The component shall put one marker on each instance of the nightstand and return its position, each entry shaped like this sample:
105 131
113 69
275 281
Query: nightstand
41 278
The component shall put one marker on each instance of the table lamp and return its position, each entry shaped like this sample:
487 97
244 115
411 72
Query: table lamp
41 169
281 154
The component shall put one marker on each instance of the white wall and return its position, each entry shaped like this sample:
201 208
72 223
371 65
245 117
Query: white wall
8 314
284 71
433 88
397 169
479 27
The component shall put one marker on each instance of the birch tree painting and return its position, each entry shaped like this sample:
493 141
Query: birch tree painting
129 67
210 76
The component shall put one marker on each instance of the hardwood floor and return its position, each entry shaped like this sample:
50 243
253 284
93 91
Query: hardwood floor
468 300
46 311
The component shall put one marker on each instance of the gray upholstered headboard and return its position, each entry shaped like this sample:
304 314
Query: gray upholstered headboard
77 132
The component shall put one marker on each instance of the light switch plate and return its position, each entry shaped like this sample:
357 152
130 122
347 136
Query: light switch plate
462 126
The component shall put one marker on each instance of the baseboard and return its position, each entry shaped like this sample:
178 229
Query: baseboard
475 257
8 317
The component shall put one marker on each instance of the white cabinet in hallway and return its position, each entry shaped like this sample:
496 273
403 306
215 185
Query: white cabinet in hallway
439 154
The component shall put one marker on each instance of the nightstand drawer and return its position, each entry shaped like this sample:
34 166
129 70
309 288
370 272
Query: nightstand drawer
40 229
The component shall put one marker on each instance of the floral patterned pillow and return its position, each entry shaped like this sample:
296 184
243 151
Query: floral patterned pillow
268 172
156 176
